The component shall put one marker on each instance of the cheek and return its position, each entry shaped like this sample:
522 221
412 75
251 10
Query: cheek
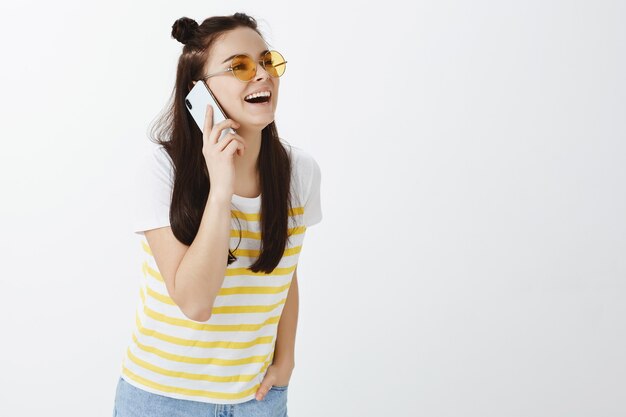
277 91
228 94
232 101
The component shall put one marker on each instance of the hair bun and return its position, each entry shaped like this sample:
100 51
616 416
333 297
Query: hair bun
184 29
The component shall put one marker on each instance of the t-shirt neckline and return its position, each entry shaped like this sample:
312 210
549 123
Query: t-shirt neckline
251 201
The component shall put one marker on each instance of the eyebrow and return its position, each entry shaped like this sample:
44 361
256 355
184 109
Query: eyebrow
232 56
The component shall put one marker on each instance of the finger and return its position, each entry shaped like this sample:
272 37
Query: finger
226 141
218 128
208 124
262 391
227 144
232 147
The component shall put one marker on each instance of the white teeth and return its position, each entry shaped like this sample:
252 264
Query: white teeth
259 94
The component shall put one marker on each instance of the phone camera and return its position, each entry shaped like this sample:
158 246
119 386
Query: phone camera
188 104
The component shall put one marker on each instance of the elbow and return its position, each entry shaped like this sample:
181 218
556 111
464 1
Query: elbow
199 315
191 308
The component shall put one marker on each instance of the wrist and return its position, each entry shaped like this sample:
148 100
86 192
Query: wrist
285 363
219 198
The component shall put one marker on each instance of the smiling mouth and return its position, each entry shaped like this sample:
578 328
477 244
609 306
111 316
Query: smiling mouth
260 96
258 100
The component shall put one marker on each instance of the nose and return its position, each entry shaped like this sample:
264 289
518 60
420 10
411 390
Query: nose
259 74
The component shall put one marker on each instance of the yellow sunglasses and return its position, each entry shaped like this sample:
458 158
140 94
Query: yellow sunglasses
243 66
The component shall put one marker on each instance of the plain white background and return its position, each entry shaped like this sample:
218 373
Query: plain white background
471 259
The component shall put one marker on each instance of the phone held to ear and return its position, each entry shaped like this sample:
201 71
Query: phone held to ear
196 102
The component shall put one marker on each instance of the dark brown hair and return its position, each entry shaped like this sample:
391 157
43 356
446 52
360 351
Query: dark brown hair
177 132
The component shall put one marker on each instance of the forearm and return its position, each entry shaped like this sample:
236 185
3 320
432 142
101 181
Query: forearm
201 273
286 338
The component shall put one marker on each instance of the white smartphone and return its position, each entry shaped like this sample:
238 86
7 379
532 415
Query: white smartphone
196 102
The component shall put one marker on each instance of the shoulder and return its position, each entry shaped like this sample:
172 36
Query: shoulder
157 155
160 155
303 162
156 163
306 173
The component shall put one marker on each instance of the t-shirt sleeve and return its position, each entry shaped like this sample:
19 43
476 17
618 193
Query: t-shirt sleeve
313 205
153 191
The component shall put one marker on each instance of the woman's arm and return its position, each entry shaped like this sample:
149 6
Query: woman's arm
284 354
201 272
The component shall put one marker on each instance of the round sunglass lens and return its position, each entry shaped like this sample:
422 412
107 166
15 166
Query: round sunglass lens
274 63
243 67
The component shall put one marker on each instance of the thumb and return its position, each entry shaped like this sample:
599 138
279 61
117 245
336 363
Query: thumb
263 389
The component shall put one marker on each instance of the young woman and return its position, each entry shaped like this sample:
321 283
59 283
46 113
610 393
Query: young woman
221 225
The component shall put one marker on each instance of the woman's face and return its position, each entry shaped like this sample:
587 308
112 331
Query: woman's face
230 91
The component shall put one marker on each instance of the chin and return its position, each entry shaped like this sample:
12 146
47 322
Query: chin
256 125
259 121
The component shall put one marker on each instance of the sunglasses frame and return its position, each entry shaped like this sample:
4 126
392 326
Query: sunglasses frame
260 61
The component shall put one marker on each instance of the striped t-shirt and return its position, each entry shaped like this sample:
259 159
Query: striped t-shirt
224 359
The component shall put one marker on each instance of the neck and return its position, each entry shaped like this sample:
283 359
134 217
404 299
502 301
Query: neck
245 165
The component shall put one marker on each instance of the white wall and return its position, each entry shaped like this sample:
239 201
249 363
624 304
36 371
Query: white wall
471 257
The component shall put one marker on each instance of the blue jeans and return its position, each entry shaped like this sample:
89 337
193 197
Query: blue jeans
131 401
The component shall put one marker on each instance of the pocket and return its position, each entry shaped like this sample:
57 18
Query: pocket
280 387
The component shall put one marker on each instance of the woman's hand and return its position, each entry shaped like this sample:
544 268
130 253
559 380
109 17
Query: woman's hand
275 375
219 156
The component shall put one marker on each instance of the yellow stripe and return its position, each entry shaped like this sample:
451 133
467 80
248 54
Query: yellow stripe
188 375
295 211
166 299
255 253
232 309
208 327
251 253
146 247
248 235
187 391
257 235
147 269
253 290
199 343
246 309
242 327
199 361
